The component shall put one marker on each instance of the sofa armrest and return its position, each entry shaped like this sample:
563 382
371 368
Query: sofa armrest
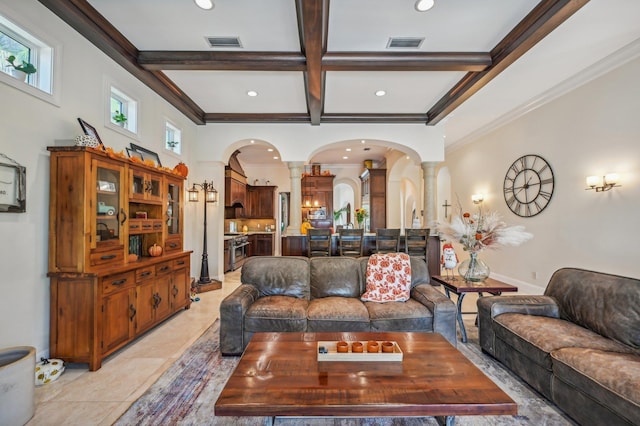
443 309
492 306
232 311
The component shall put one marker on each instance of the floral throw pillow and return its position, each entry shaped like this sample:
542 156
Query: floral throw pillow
388 278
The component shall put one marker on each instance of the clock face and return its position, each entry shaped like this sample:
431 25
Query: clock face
528 185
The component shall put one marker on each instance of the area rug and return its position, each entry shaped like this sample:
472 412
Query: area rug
186 393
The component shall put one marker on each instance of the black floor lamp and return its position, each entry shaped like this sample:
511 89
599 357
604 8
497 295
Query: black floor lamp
210 196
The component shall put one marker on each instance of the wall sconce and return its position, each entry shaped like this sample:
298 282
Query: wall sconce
477 198
210 196
605 183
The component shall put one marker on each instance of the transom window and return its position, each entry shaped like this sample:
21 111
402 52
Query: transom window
123 110
32 59
173 138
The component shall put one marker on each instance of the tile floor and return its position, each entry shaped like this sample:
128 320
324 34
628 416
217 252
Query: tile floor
81 397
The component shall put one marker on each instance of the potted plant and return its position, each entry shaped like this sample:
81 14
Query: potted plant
22 70
119 118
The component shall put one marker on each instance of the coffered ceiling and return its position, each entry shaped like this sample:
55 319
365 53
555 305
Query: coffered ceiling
318 62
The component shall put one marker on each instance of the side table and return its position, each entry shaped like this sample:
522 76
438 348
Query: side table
461 287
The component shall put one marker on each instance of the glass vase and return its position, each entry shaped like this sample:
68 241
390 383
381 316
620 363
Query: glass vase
473 269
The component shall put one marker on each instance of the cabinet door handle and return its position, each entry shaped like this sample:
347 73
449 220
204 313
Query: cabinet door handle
133 311
157 299
145 274
164 268
119 282
174 245
107 257
124 216
180 262
175 291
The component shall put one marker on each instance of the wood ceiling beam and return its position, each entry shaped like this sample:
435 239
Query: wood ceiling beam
540 22
81 16
256 118
401 61
304 118
313 17
216 61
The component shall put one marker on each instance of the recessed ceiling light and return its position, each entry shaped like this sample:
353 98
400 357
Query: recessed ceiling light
252 141
362 141
270 149
252 93
348 149
275 157
424 5
204 4
345 158
380 93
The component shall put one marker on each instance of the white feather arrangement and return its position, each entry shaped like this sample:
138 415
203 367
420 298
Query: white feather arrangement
482 231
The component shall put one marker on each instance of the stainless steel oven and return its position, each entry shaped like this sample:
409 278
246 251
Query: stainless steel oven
239 247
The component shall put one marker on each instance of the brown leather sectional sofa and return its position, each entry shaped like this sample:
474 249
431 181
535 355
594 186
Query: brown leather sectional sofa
286 293
578 344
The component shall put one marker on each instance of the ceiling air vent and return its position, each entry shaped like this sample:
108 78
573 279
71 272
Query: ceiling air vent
404 42
224 42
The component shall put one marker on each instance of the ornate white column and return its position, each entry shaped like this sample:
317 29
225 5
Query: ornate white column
430 192
295 198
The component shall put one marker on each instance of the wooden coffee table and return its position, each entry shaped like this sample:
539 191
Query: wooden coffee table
461 287
279 375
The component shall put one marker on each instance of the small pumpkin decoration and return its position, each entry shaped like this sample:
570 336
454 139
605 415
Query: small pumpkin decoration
155 250
181 169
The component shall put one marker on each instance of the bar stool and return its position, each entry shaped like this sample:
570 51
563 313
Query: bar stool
387 240
416 242
318 242
350 242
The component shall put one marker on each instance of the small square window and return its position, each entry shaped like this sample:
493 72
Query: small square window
173 138
25 57
123 110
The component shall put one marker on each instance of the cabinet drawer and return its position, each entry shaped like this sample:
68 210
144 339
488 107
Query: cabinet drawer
157 225
179 263
117 282
135 226
173 244
163 268
145 273
106 257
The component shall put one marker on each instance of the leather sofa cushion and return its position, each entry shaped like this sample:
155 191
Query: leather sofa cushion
337 314
277 275
277 313
607 304
536 337
335 276
611 378
399 316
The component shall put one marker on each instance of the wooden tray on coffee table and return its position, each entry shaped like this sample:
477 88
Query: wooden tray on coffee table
333 354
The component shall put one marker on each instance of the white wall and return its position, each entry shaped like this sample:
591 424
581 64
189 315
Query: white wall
29 125
590 131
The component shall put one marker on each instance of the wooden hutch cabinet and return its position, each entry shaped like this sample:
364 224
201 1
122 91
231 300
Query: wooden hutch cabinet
374 197
317 194
101 209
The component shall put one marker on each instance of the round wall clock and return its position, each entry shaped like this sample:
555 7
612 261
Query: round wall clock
528 185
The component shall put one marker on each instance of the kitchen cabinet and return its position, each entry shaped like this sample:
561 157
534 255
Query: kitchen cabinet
227 256
264 245
374 197
101 209
235 188
260 202
317 197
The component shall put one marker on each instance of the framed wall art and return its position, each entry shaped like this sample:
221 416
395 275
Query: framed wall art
13 187
89 130
146 154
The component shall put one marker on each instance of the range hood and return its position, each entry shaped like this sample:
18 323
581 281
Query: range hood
237 205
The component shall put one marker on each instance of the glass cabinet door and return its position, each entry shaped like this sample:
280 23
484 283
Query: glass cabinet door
145 186
108 210
174 200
